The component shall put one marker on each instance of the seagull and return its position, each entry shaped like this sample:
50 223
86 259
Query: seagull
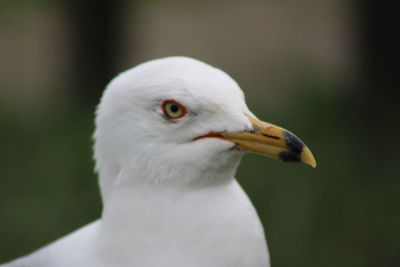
169 137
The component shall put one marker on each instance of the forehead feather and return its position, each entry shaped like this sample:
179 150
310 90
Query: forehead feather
178 76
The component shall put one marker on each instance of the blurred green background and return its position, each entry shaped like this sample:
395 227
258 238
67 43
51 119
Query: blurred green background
325 69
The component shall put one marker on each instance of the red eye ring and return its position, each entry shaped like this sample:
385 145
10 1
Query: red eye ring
172 109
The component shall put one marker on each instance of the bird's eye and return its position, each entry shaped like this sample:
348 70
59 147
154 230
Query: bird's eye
173 109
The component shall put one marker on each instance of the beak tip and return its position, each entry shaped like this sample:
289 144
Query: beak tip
313 164
308 158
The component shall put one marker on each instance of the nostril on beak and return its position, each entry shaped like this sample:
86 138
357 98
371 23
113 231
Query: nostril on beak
271 136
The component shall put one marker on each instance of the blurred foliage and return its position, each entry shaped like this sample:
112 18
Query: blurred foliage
10 6
45 160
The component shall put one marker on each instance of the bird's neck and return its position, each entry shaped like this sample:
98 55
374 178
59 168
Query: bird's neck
166 218
132 201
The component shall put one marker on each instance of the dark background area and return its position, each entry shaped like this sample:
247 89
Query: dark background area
325 69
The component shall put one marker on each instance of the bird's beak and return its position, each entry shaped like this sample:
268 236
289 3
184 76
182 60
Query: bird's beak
271 141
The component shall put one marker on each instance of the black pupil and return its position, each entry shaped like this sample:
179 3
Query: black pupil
174 108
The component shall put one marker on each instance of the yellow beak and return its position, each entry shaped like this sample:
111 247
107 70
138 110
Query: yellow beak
271 141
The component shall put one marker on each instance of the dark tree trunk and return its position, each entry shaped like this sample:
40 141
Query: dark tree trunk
374 108
379 46
95 28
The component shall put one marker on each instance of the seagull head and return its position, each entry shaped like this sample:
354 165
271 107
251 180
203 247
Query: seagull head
179 120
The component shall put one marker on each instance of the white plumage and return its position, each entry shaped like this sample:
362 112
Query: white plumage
170 199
